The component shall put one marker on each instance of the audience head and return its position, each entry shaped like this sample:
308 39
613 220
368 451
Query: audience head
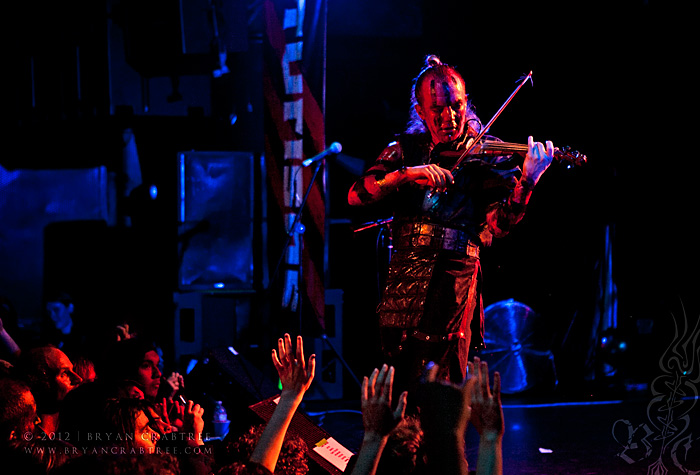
50 376
85 368
403 453
17 410
59 308
132 419
134 366
38 456
293 457
83 412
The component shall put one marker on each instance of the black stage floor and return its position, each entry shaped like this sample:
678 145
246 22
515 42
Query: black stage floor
630 435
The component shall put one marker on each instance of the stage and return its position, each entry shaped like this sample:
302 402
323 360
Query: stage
587 437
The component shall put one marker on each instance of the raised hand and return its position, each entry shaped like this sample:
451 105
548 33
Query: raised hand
176 382
296 374
486 409
123 332
377 416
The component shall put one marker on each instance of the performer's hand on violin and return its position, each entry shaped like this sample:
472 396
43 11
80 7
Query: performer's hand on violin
537 159
430 175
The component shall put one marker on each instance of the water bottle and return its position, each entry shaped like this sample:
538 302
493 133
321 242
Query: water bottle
220 412
220 420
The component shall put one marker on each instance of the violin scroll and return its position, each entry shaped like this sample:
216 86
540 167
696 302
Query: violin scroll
570 157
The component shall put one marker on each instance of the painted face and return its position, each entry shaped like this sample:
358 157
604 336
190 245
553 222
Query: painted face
149 374
442 104
145 436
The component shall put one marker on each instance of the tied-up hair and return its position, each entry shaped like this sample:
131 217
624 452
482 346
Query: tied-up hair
434 67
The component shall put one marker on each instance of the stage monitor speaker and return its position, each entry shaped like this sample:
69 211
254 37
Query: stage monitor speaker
216 221
327 452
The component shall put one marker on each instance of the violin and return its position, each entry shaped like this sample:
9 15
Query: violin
485 148
481 146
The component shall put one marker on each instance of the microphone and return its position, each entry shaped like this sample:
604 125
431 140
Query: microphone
332 150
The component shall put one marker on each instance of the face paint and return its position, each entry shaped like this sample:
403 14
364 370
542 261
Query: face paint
443 106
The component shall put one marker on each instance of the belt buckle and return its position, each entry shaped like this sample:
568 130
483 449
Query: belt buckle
425 229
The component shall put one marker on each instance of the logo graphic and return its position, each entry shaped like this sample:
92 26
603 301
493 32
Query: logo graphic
667 440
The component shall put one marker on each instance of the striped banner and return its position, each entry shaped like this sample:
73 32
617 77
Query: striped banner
294 88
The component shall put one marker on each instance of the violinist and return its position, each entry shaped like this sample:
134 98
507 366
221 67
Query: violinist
431 308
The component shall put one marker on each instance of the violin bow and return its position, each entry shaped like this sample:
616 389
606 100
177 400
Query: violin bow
477 139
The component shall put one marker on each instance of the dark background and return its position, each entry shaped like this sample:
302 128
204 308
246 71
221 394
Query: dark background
611 79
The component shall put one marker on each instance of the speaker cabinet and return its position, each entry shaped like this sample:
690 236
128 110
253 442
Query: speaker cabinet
216 221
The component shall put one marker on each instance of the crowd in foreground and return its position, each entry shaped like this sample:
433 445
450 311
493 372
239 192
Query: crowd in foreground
120 415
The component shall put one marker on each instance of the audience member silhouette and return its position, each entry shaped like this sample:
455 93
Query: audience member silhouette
17 410
132 366
446 409
50 376
10 341
378 418
293 458
435 443
22 448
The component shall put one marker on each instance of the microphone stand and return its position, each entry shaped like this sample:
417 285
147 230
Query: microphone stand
290 234
295 223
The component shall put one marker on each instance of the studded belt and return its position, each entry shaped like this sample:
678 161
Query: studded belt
433 236
419 335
